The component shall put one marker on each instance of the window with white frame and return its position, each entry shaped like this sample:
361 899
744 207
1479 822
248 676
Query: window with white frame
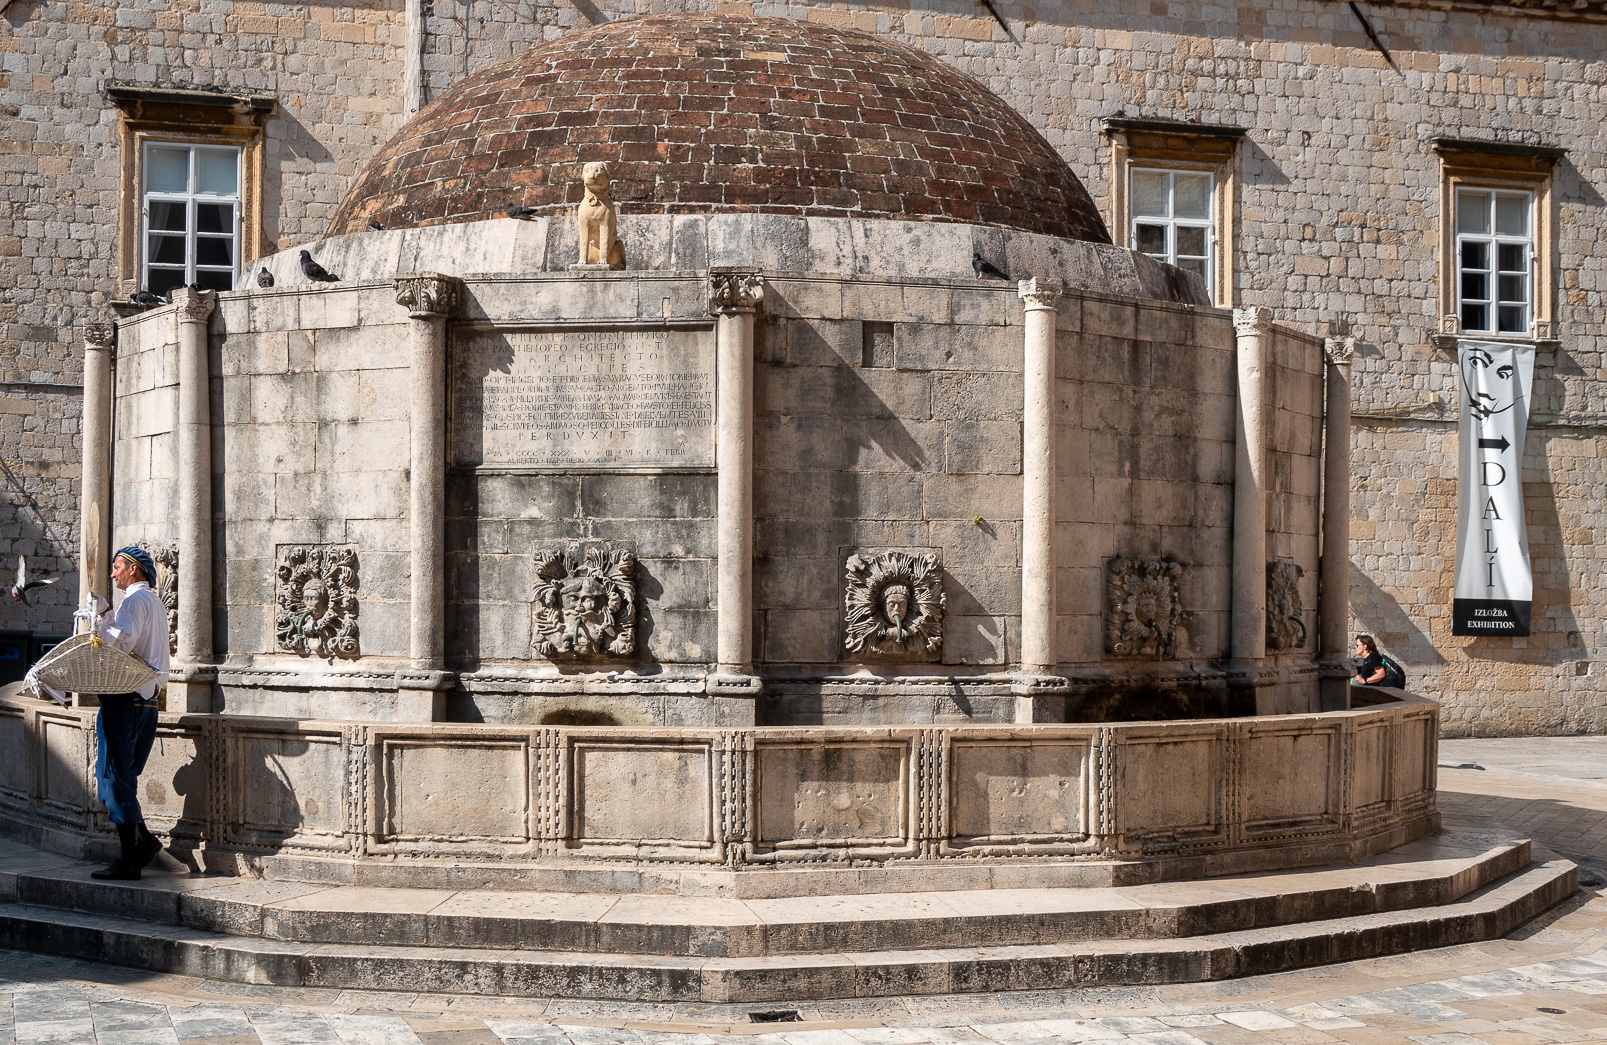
1172 218
191 216
1494 260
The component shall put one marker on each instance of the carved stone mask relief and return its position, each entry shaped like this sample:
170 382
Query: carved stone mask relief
585 602
316 600
1286 626
166 556
1142 607
894 604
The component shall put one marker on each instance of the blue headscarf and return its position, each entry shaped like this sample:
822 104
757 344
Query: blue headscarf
141 558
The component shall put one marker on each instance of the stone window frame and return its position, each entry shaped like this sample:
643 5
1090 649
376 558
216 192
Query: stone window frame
1499 166
188 117
1178 146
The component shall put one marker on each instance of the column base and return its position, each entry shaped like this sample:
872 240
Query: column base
734 684
191 690
1039 698
1333 686
421 695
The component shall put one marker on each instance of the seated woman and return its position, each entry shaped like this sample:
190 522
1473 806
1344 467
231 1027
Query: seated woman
1371 672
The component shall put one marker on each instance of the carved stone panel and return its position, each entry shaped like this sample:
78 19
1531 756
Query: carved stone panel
1286 626
166 557
628 399
316 600
893 606
585 603
1143 606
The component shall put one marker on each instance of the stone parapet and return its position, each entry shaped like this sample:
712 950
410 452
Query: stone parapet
758 811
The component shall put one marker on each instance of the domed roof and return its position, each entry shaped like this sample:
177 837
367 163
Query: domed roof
713 114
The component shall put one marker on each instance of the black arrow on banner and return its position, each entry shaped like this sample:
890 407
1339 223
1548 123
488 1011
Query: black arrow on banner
1494 444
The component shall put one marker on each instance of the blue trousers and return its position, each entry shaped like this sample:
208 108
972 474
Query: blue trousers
126 729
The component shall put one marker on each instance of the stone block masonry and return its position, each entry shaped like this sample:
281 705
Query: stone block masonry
1334 215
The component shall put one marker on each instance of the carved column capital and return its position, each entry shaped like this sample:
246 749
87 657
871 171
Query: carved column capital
428 294
1039 293
1247 321
1339 350
735 290
100 335
195 306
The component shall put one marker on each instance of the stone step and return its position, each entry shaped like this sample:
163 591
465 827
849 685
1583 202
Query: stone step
1486 913
1427 873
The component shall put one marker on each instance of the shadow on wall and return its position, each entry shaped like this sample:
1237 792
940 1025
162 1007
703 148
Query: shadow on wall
1377 613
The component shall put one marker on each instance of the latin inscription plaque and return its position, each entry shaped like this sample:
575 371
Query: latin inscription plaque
597 399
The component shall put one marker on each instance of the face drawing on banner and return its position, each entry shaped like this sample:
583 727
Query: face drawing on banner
1489 385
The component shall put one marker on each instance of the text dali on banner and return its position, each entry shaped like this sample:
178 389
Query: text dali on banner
1494 585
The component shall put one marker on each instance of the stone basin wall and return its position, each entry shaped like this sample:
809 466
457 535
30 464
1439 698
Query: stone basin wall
887 415
808 809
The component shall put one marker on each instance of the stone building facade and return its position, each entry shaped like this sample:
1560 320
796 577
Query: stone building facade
1332 156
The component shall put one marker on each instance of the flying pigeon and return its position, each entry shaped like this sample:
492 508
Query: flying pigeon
314 271
521 212
984 270
377 226
146 300
264 278
19 590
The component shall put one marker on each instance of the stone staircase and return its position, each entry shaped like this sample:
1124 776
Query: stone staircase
1472 881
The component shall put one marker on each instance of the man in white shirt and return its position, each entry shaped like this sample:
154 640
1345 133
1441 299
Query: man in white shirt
127 723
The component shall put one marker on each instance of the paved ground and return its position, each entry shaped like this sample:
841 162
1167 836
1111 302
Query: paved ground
1545 983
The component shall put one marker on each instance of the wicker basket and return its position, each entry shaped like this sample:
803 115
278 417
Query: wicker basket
84 665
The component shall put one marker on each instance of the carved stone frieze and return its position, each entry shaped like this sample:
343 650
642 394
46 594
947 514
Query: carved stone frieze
735 291
1286 626
1143 605
894 604
585 601
316 600
166 556
426 294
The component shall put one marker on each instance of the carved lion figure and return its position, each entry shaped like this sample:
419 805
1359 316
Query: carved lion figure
597 220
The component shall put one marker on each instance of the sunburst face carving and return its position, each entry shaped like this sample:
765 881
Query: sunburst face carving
585 601
1142 607
316 600
1286 625
894 604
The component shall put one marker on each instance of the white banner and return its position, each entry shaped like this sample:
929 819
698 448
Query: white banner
1494 587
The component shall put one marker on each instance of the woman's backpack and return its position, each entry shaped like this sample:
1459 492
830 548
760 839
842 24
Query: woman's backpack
1394 675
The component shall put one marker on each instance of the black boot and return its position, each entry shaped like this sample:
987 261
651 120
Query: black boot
146 846
126 867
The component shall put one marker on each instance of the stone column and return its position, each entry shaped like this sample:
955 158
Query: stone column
1333 607
1039 694
1253 331
190 686
735 295
95 557
430 298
